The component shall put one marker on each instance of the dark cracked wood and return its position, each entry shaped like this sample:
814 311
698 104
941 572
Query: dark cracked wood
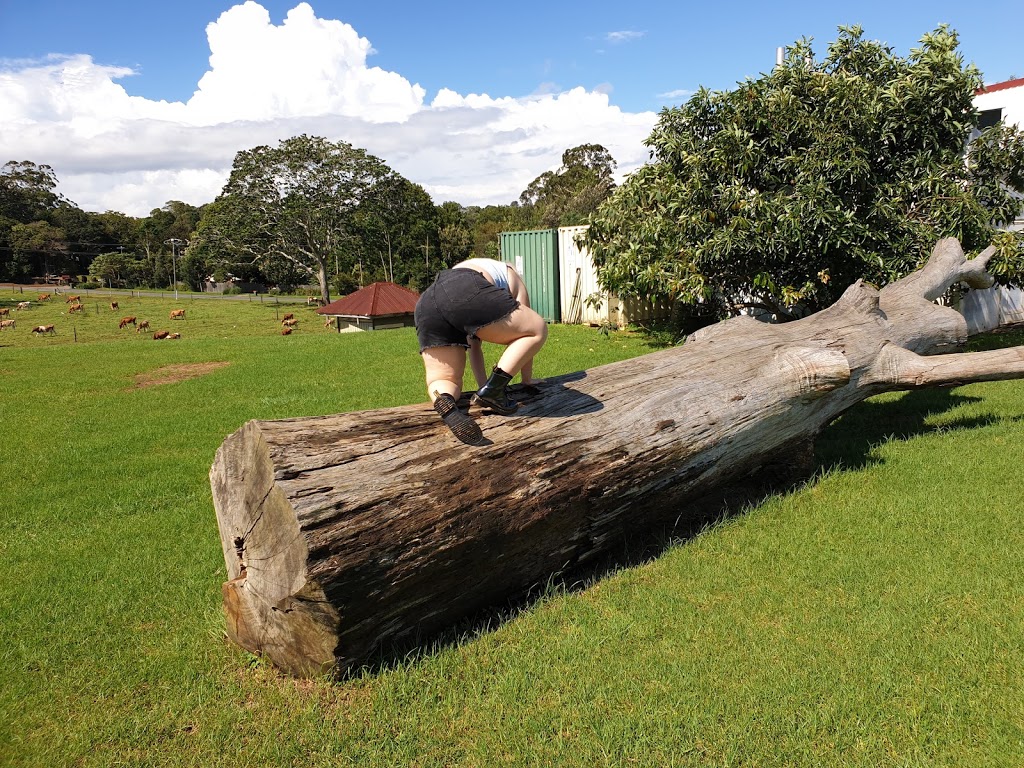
346 533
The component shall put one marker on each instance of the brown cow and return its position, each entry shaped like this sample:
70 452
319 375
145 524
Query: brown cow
285 331
174 336
44 329
290 323
289 316
73 299
8 324
177 314
161 335
126 321
75 308
5 311
44 297
113 306
142 326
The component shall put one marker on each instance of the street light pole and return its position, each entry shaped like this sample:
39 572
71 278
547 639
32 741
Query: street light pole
174 243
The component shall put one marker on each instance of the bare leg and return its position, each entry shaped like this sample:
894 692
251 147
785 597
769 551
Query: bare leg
445 367
523 332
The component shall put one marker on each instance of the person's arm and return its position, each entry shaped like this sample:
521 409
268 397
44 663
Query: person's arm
476 361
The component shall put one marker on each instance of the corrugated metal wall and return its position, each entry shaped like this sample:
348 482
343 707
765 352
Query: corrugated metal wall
534 254
579 281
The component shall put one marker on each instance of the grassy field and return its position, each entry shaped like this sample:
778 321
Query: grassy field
872 617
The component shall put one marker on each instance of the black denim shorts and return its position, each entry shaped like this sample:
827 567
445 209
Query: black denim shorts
458 304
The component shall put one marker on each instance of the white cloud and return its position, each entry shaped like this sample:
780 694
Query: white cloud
623 36
267 83
679 93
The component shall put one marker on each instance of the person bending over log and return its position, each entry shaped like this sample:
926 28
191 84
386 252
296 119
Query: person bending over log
476 300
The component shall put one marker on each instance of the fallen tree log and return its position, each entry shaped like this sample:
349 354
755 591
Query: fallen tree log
343 534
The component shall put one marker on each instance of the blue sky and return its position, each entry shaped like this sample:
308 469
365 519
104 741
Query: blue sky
637 56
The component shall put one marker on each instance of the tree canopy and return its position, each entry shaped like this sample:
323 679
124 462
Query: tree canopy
297 202
568 196
782 192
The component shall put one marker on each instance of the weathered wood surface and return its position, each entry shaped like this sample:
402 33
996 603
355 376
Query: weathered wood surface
345 533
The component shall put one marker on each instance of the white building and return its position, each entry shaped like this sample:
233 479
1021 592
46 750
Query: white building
988 309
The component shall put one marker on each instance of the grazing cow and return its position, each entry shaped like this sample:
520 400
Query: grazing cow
289 316
44 297
41 329
285 331
5 311
177 314
7 324
73 299
161 335
328 322
126 321
24 305
75 308
113 306
174 336
290 323
142 326
314 300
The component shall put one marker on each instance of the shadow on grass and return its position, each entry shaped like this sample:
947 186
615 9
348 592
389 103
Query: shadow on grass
848 444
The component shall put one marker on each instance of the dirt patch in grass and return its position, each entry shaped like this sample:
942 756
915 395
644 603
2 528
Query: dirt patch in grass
168 374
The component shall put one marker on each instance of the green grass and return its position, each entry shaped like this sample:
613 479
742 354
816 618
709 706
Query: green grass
872 617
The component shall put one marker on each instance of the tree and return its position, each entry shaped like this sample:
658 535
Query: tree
38 243
454 234
297 201
396 224
780 192
27 191
117 269
569 196
26 195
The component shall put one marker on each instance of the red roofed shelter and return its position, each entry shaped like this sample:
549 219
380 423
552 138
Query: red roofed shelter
374 308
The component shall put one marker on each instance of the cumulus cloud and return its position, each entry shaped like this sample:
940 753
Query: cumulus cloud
623 36
267 83
679 93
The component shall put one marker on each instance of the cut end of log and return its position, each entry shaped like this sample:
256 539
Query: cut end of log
298 634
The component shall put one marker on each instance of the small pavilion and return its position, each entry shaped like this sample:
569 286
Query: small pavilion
376 307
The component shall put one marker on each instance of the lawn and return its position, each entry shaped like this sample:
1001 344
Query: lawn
870 617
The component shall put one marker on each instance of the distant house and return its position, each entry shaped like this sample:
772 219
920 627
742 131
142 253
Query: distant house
374 308
1001 101
992 307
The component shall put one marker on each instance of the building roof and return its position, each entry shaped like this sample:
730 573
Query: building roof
375 300
1000 86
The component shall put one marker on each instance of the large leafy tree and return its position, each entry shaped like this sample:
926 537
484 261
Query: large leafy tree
27 195
398 230
569 196
454 234
297 201
783 191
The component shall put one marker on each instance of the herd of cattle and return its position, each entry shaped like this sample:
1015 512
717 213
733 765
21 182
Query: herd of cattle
75 305
288 324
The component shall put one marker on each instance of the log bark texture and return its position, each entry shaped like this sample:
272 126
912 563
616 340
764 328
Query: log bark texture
343 534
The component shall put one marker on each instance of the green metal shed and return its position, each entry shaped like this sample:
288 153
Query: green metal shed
534 254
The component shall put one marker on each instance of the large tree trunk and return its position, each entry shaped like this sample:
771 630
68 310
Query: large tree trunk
345 533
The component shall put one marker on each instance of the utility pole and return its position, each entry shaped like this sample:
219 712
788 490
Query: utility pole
174 243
